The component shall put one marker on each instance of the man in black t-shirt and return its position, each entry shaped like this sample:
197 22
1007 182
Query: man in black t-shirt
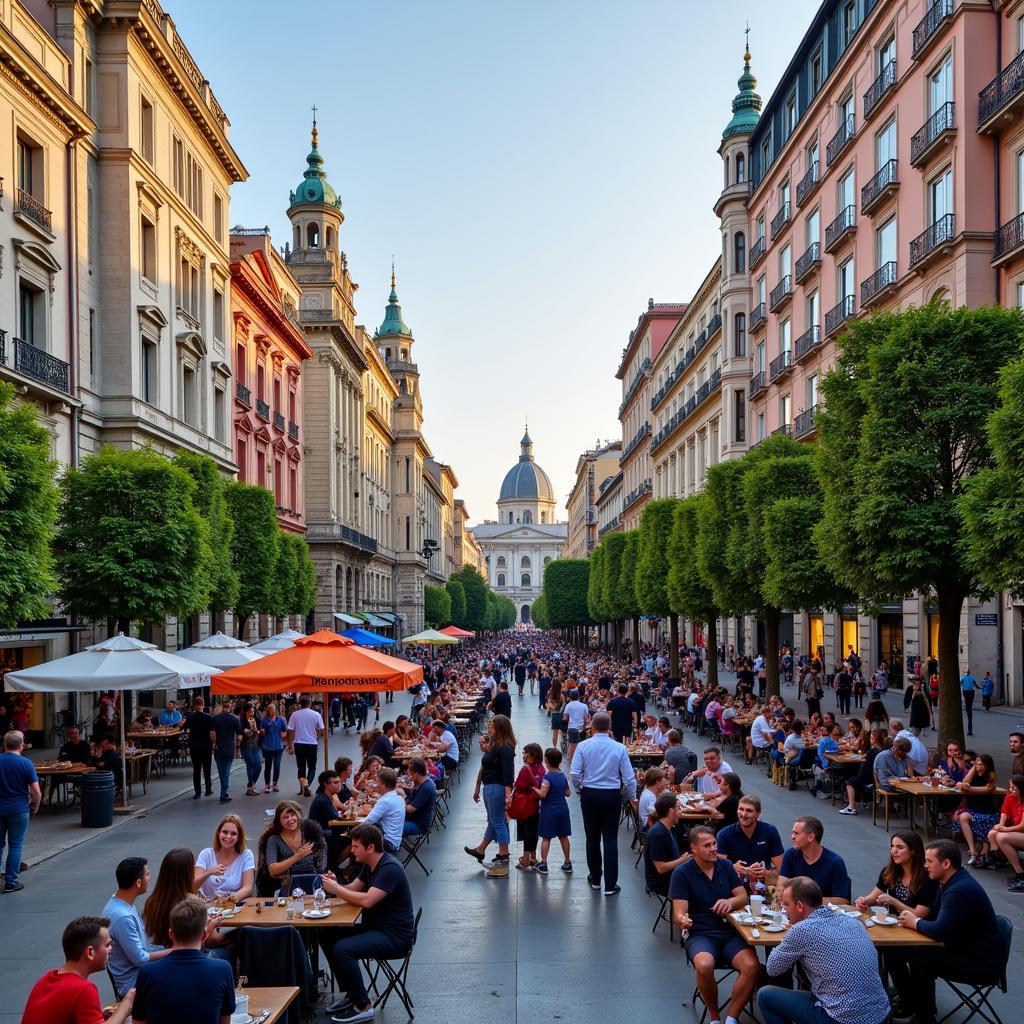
200 748
502 703
661 851
623 712
382 890
225 735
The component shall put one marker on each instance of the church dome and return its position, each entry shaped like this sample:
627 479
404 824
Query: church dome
526 481
315 189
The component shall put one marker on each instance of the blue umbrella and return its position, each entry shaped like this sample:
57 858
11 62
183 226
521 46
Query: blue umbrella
365 638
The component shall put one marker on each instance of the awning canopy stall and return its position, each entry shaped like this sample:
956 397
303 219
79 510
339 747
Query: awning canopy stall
365 638
349 620
221 651
429 637
375 620
459 634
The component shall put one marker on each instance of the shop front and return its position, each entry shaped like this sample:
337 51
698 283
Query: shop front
816 636
890 642
26 712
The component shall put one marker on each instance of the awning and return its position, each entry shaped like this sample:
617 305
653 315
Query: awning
388 616
375 620
349 620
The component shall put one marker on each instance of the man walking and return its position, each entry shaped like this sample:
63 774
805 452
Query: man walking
20 796
967 687
200 746
305 728
600 768
224 737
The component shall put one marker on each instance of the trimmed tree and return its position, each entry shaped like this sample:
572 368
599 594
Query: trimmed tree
611 572
457 593
718 517
594 578
625 594
902 432
28 512
131 546
539 613
475 588
286 572
506 612
254 550
655 534
565 590
437 606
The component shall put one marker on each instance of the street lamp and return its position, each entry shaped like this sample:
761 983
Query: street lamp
429 547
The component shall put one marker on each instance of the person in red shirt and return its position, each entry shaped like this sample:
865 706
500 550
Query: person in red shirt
1008 836
65 995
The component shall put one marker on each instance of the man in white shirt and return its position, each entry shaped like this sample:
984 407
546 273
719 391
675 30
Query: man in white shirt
918 756
760 737
388 813
446 744
575 716
305 728
707 780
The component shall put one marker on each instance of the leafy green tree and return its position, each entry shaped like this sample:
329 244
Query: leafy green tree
506 612
718 519
476 589
655 533
539 613
285 577
305 579
492 613
689 593
254 549
565 588
209 500
28 512
457 592
626 600
615 610
437 606
131 546
903 430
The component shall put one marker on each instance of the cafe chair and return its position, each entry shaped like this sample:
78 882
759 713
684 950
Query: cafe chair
974 996
411 843
397 979
886 798
722 971
279 958
664 913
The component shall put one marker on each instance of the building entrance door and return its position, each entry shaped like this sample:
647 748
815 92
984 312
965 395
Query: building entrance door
890 646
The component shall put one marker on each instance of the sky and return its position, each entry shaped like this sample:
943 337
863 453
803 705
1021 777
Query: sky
538 169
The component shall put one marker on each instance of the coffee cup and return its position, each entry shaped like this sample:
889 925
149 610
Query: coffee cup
756 905
879 913
241 1006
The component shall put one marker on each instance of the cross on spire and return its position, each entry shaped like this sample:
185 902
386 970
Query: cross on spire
315 133
746 52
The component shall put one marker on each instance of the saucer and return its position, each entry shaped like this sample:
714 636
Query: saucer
774 928
887 921
315 914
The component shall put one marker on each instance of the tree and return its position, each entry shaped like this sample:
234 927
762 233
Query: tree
475 587
611 571
305 580
506 612
457 592
566 583
655 533
209 500
626 600
131 546
492 614
539 613
254 549
285 577
437 606
28 512
717 519
689 593
902 432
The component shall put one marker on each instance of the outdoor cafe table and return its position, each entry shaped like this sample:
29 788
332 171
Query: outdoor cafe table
925 792
266 913
835 766
57 778
165 738
276 1000
139 764
646 753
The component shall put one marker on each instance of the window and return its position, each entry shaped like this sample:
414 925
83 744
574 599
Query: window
814 226
761 428
1020 33
785 336
784 193
885 243
740 334
740 258
789 116
761 362
885 144
218 313
846 283
501 562
148 246
1020 294
241 373
313 236
408 484
92 346
277 394
849 21
218 218
188 394
846 110
762 290
149 383
812 391
816 73
30 168
784 409
940 85
293 489
741 169
525 579
766 154
278 481
219 405
195 186
886 53
524 562
813 307
261 382
527 516
261 467
846 191
501 579
178 161
31 315
940 195
240 458
408 534
786 260
146 129
88 88
760 227
739 405
1020 181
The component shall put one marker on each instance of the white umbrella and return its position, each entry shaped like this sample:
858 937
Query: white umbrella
278 642
221 651
119 663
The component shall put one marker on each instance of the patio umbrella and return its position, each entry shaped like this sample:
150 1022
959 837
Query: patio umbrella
430 637
221 651
459 634
365 638
119 663
278 642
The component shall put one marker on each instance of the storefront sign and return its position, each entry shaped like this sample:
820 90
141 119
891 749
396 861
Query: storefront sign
986 619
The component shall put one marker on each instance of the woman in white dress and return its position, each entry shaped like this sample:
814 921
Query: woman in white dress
226 868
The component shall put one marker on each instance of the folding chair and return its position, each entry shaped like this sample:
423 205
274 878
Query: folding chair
397 980
664 914
974 996
412 842
886 797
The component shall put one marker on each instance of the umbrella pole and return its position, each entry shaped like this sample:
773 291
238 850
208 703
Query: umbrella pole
124 808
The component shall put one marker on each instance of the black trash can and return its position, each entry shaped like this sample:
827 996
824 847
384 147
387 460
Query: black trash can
98 791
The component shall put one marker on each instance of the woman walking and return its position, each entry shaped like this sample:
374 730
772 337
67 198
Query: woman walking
496 779
272 730
251 752
554 706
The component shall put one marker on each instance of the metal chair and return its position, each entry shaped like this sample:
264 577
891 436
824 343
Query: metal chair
974 996
886 797
397 980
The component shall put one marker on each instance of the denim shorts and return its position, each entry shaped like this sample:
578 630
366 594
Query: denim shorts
722 947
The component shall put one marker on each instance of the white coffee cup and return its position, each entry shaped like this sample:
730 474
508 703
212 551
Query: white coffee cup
756 905
880 913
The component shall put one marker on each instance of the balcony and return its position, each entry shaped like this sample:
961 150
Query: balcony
293 430
780 365
841 228
714 326
884 183
279 420
1003 98
806 186
804 423
243 395
612 524
634 384
692 404
635 495
838 143
838 315
809 262
808 342
782 219
879 284
927 29
32 210
758 316
781 293
643 432
884 84
785 428
936 130
936 239
35 363
262 410
757 384
757 251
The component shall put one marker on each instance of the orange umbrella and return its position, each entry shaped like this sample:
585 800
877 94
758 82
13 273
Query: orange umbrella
456 632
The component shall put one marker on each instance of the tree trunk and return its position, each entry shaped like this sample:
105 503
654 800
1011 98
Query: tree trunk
636 640
711 650
241 621
673 639
617 638
772 616
124 626
951 718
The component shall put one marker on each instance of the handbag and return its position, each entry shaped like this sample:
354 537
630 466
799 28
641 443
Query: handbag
525 803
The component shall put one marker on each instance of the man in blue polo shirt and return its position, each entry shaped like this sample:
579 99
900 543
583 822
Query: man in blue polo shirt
752 846
809 858
704 891
419 804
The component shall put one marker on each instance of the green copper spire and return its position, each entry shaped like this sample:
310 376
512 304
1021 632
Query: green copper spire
393 326
746 107
315 189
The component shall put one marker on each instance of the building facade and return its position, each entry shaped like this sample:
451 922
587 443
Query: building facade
593 468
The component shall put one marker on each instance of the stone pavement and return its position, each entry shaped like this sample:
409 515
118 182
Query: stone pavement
527 949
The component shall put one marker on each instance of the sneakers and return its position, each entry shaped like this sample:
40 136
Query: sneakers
13 887
614 891
497 862
593 884
1016 884
225 799
352 1015
525 867
340 1005
473 852
567 867
541 868
847 810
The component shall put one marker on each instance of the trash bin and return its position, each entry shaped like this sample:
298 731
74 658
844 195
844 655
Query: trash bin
98 791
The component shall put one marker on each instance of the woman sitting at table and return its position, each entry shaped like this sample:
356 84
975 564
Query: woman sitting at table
876 715
1008 836
828 721
144 722
290 845
955 766
406 731
366 780
724 804
829 744
903 884
857 739
175 881
977 818
226 867
792 746
343 766
857 784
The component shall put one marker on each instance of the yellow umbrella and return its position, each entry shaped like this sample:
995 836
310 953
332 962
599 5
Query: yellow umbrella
429 636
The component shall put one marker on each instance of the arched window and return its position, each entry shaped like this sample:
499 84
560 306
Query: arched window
741 169
405 354
501 562
298 237
501 579
526 579
387 354
524 562
330 238
527 516
313 236
543 517
740 254
740 335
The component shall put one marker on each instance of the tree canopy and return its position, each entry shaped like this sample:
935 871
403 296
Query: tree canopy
255 543
565 591
476 590
457 592
437 606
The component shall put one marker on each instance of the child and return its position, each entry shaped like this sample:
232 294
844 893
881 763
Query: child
554 811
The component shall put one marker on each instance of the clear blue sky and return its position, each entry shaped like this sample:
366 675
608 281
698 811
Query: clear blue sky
539 170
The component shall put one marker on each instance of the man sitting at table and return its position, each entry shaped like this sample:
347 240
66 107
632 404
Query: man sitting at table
661 851
760 737
963 920
109 759
837 957
76 749
678 757
170 718
419 804
918 756
808 857
382 889
655 783
894 764
447 746
389 810
704 891
753 846
707 780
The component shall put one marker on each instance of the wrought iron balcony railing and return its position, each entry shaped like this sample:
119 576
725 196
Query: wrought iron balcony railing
882 184
941 125
926 30
840 140
808 183
933 238
244 395
807 342
880 88
838 315
878 283
781 293
809 262
1004 93
843 226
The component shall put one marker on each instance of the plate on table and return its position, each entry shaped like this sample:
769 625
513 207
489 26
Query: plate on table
775 928
315 915
887 921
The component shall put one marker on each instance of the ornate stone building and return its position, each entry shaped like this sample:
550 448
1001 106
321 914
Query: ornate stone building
593 468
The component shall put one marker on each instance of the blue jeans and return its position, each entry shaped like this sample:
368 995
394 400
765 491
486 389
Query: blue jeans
13 829
497 824
782 1005
362 945
253 762
272 763
224 772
